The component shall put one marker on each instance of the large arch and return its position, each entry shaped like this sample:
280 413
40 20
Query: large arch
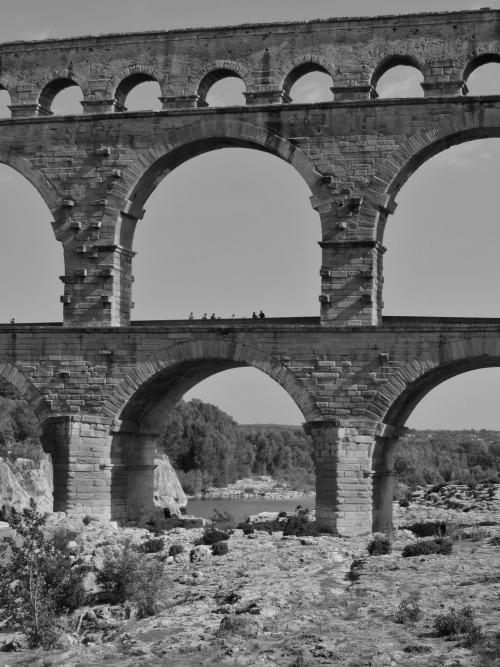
26 389
187 364
395 170
399 396
141 178
140 401
26 168
415 379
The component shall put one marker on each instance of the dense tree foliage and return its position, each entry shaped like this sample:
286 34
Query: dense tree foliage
19 430
432 457
208 447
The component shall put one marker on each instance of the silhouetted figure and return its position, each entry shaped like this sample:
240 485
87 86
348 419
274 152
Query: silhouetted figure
261 315
12 320
191 316
212 317
255 316
204 317
233 316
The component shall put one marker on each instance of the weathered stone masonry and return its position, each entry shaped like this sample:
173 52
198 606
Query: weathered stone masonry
100 384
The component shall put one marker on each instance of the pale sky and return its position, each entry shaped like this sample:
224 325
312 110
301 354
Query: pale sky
233 231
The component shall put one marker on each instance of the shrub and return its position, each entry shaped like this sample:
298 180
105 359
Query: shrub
282 515
176 549
87 519
119 571
439 545
408 612
380 545
220 548
428 528
212 535
38 580
153 545
455 622
148 592
299 525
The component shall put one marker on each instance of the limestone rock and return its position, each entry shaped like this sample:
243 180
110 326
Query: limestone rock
168 492
200 553
22 480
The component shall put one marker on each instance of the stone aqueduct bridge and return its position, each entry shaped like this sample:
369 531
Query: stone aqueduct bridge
101 384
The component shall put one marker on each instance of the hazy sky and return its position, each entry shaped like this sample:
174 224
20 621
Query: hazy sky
233 231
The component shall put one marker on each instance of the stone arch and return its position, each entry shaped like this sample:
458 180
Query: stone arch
216 71
57 81
129 78
301 65
403 391
6 84
151 166
26 389
26 168
128 404
394 59
481 56
395 170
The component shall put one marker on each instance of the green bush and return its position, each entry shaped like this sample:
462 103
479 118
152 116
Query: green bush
153 545
438 545
148 592
428 528
176 549
380 545
408 612
38 580
120 567
298 525
220 548
212 535
456 622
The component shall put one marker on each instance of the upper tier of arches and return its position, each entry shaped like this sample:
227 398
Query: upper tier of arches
186 65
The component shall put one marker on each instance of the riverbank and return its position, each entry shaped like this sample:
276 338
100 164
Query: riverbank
264 487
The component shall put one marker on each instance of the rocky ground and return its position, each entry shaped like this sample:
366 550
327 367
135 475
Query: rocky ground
298 601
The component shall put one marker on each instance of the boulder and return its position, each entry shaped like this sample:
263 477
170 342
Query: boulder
168 491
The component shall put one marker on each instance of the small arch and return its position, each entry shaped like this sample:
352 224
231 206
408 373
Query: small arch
298 69
52 90
219 71
482 74
397 80
130 78
205 89
178 368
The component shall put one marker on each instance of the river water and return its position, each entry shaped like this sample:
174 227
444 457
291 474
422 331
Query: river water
241 508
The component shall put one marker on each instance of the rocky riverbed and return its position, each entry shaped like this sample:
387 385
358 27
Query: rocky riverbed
297 601
255 487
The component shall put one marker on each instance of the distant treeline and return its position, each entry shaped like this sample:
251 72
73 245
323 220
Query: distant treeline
432 457
208 448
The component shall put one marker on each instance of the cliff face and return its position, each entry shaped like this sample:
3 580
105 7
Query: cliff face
23 479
